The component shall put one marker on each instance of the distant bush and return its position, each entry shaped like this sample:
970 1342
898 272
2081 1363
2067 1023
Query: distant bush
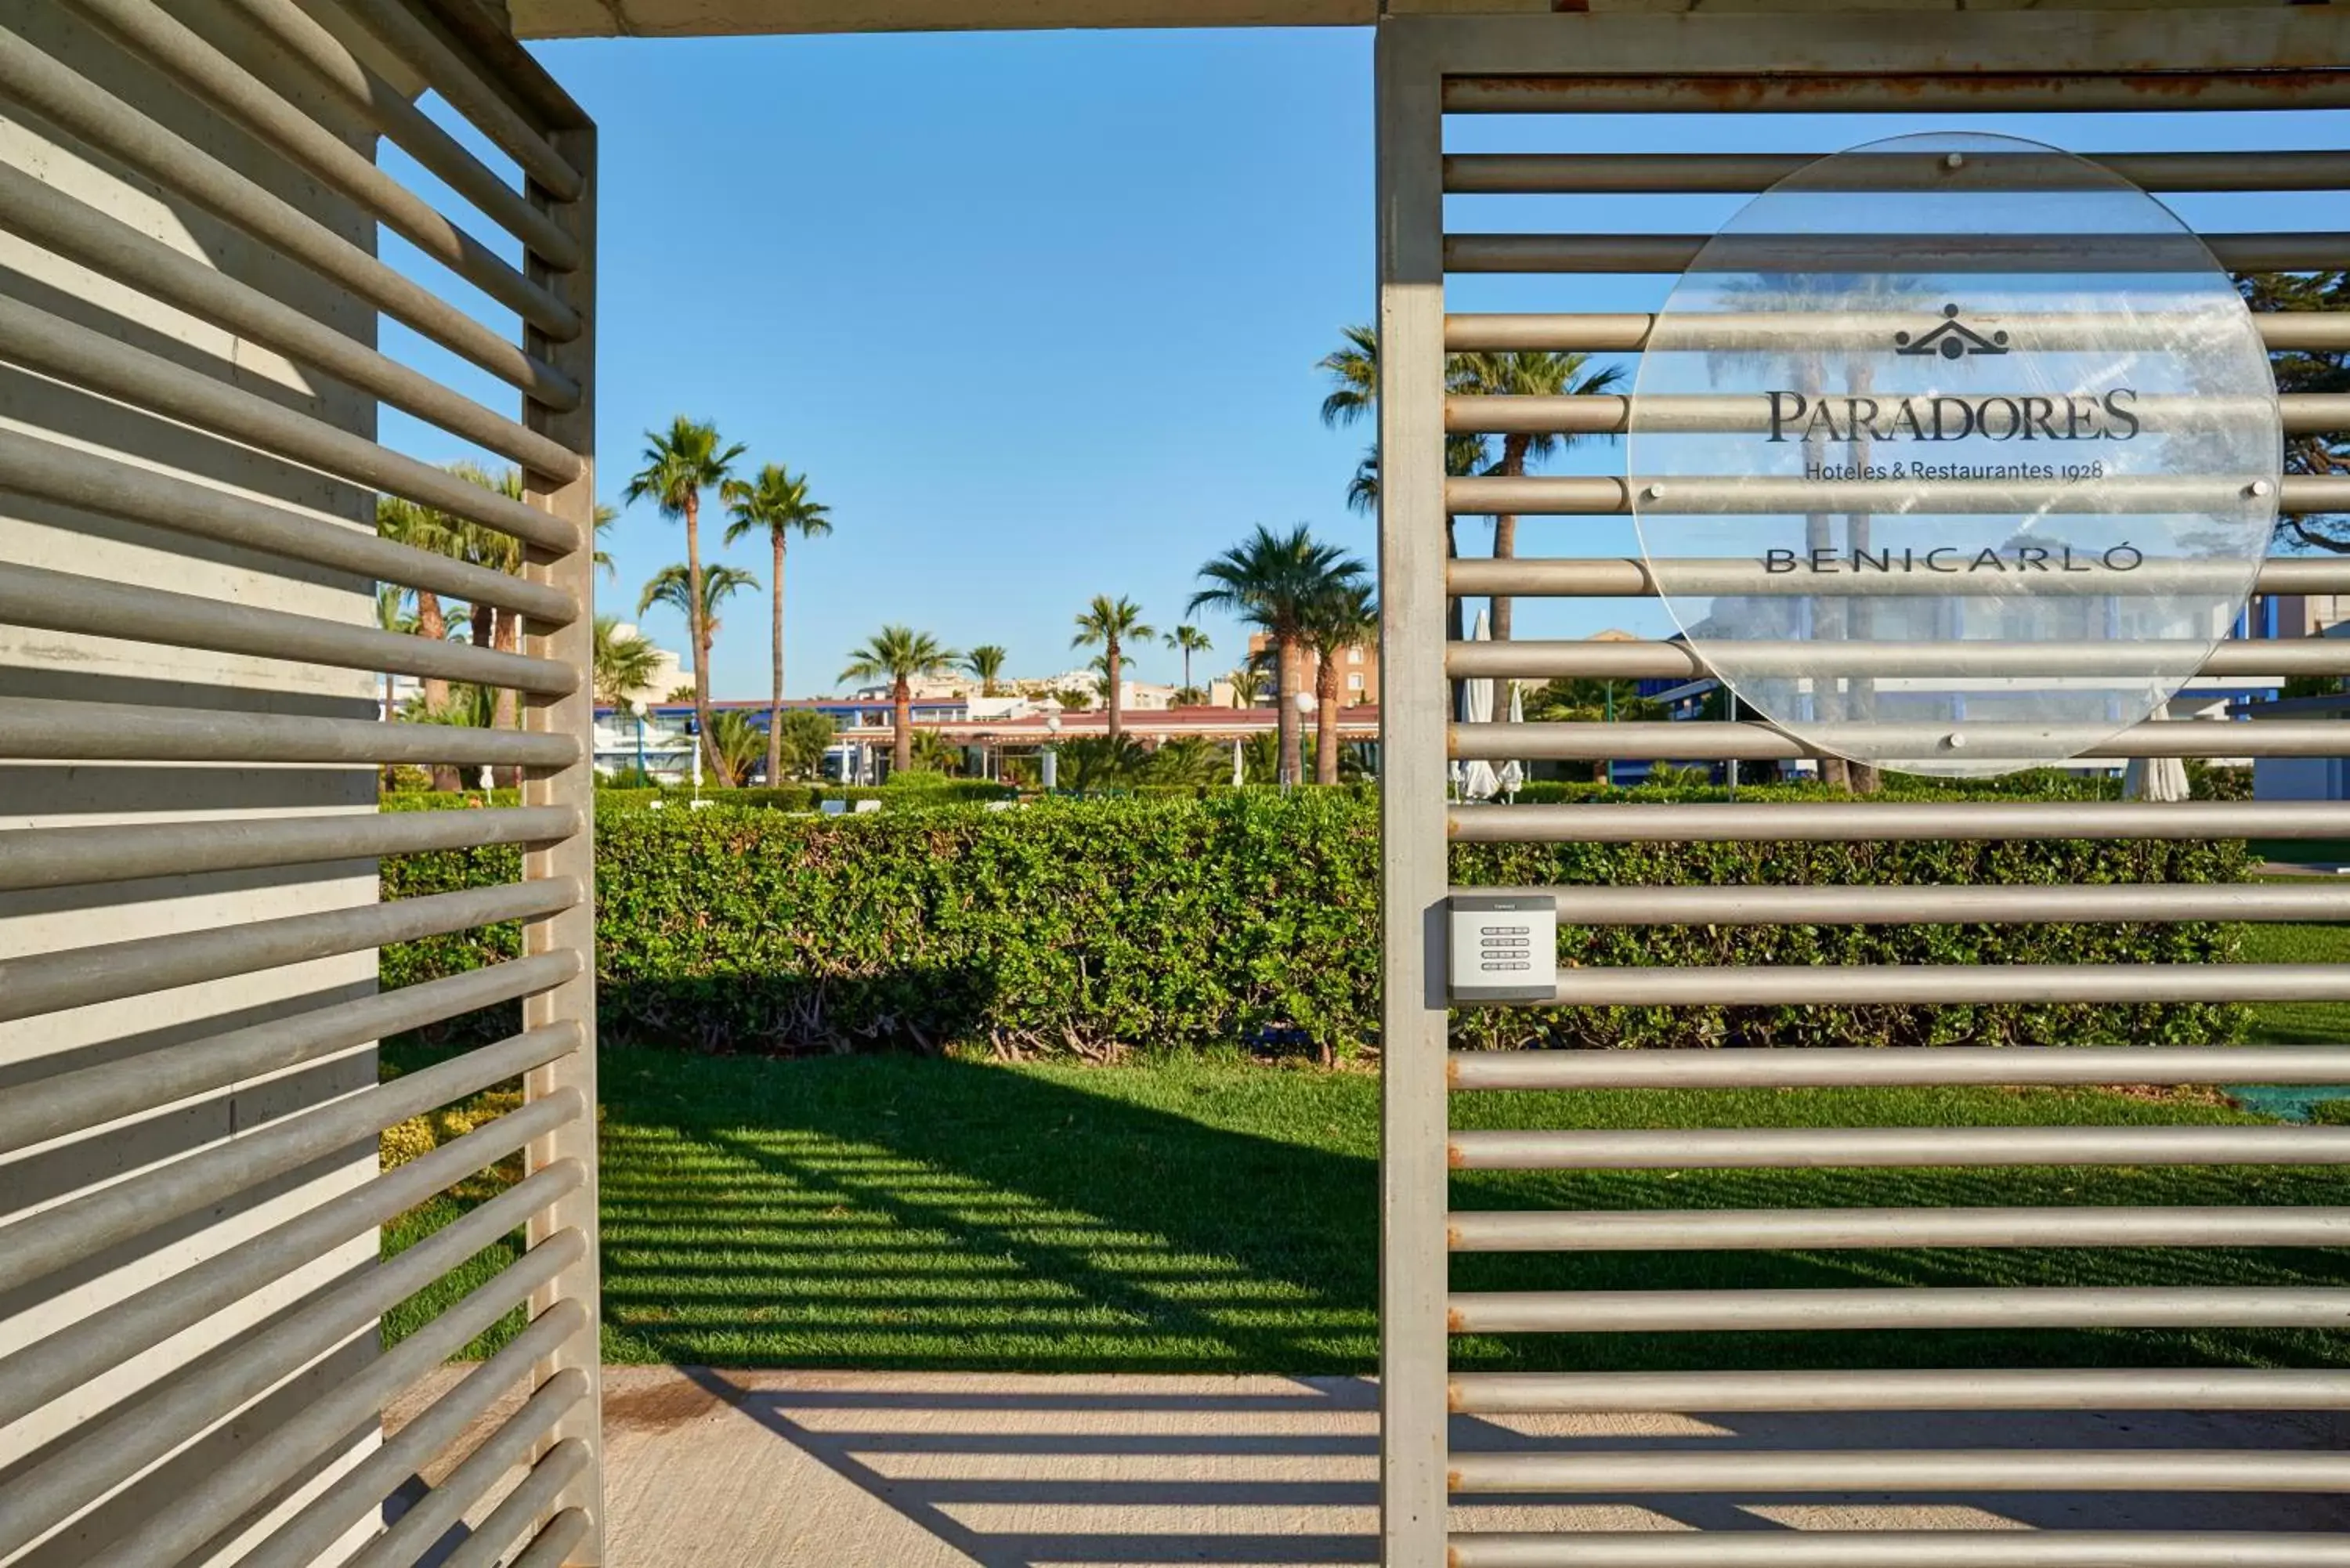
1166 922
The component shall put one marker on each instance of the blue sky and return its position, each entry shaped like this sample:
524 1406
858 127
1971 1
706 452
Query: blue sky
1039 313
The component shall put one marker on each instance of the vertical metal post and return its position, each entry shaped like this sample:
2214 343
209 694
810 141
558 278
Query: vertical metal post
1413 1345
573 928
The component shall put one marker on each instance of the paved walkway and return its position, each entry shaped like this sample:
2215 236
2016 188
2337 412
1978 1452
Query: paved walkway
781 1470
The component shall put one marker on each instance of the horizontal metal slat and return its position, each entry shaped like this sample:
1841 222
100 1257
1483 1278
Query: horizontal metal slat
38 1110
45 729
462 84
85 1226
1973 1389
1706 1311
388 111
291 132
2272 657
551 1547
2287 251
103 1453
63 601
1695 740
1820 1066
1902 1548
63 856
50 344
1894 1470
81 1352
1774 1230
1940 904
1905 92
1605 577
106 971
1608 413
1835 822
119 489
1951 985
1551 495
281 1457
1741 173
1621 332
431 1516
1898 1149
518 1513
41 213
106 122
309 1536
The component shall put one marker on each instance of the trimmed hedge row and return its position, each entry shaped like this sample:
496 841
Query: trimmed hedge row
782 797
1076 926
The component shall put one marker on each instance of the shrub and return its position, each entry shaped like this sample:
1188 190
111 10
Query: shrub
1074 926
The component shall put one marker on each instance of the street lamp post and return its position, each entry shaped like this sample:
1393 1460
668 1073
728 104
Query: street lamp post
1049 764
636 707
1305 701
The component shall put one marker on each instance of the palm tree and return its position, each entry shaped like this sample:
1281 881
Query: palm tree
1272 581
392 614
933 752
1188 639
740 742
1533 374
605 517
774 503
900 655
424 528
1109 624
497 552
1335 622
673 586
1247 683
986 661
679 466
621 664
1354 371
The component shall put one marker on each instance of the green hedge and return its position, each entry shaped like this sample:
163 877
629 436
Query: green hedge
782 797
1072 926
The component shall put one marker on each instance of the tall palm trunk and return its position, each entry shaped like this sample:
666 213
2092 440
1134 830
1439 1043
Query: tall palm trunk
383 776
1109 665
775 703
698 632
504 636
1285 715
433 623
1505 528
1325 721
902 715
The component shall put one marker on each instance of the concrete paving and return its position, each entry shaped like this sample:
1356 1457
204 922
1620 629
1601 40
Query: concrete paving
833 1470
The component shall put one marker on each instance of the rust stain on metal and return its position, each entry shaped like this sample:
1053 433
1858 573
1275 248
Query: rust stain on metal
2278 86
1454 1322
1452 1396
1453 1155
1452 1238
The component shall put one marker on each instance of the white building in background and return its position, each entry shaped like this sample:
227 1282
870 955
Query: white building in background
1135 696
668 671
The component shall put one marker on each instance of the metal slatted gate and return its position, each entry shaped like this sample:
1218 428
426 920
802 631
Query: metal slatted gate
191 660
1907 60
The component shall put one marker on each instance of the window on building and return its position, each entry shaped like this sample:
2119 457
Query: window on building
1354 656
1354 683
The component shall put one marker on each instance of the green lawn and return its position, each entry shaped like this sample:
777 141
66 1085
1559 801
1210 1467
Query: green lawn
2299 1023
905 1212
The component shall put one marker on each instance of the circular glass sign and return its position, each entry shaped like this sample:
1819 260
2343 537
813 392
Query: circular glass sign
1955 454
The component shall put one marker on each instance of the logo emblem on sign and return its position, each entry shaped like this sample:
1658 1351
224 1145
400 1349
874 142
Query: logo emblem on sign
1954 339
